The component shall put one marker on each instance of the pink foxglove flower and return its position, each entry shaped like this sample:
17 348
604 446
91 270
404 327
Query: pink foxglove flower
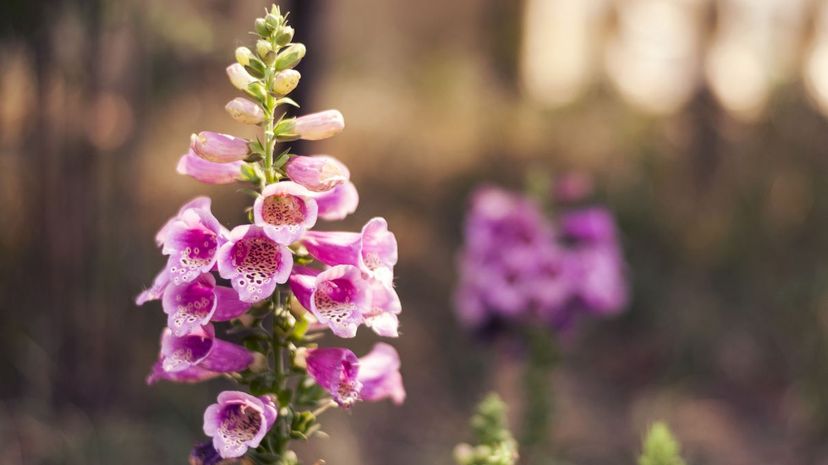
194 304
155 291
218 147
379 374
338 202
209 172
191 239
318 126
385 306
338 297
335 370
318 173
197 353
238 421
254 262
244 111
373 250
285 209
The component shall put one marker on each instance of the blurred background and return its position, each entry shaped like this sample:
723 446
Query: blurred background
701 123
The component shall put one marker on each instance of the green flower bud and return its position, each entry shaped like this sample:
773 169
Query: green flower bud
263 48
285 81
261 27
283 36
243 56
274 22
290 57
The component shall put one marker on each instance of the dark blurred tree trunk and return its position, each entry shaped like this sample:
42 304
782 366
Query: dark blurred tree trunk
62 188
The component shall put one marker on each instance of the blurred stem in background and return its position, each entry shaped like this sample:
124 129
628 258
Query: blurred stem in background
542 358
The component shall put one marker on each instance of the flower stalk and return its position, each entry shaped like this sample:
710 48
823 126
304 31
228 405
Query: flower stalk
288 379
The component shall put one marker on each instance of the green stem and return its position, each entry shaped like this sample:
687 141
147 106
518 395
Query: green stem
537 415
269 143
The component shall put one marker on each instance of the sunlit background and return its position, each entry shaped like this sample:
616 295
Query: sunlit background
702 124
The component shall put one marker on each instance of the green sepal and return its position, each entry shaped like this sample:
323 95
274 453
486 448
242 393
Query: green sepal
256 67
257 91
287 101
280 160
251 172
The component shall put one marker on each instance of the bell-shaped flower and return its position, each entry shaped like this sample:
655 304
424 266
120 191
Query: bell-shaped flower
285 210
385 306
244 111
318 126
196 303
155 291
209 172
254 262
218 147
379 374
238 421
317 173
373 250
335 370
338 202
191 239
196 354
338 297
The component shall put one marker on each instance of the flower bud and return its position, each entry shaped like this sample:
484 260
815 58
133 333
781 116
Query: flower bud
317 173
318 126
243 56
219 148
273 21
285 81
244 111
263 48
290 56
261 27
283 36
239 76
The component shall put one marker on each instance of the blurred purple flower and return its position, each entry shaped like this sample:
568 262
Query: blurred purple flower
593 226
254 262
285 209
515 266
238 421
379 373
335 370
